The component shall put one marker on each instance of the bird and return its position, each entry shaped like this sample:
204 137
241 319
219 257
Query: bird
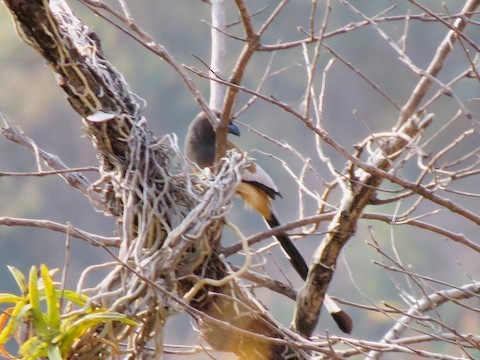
257 189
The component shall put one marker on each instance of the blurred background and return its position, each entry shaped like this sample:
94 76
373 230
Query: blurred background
32 101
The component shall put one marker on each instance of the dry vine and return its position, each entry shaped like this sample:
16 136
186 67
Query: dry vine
169 222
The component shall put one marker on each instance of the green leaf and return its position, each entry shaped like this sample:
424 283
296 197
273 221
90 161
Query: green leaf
101 317
53 307
20 309
77 328
54 353
10 298
33 292
73 297
33 348
19 278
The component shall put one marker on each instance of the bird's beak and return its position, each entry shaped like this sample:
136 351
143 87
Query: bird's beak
233 129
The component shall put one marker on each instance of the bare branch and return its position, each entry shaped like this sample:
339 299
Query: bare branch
437 62
92 239
357 197
424 305
218 52
73 178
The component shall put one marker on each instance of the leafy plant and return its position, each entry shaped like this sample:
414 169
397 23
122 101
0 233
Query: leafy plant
47 332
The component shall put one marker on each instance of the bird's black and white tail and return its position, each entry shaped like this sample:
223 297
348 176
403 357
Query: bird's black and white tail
343 320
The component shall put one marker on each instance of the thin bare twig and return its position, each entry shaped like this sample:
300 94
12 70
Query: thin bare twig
93 239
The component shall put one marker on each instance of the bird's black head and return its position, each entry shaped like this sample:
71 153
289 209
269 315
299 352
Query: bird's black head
200 140
203 131
232 127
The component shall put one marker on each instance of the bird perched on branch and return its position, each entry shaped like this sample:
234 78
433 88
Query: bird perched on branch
258 190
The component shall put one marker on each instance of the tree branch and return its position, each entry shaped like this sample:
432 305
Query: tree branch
362 188
423 305
169 222
92 239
